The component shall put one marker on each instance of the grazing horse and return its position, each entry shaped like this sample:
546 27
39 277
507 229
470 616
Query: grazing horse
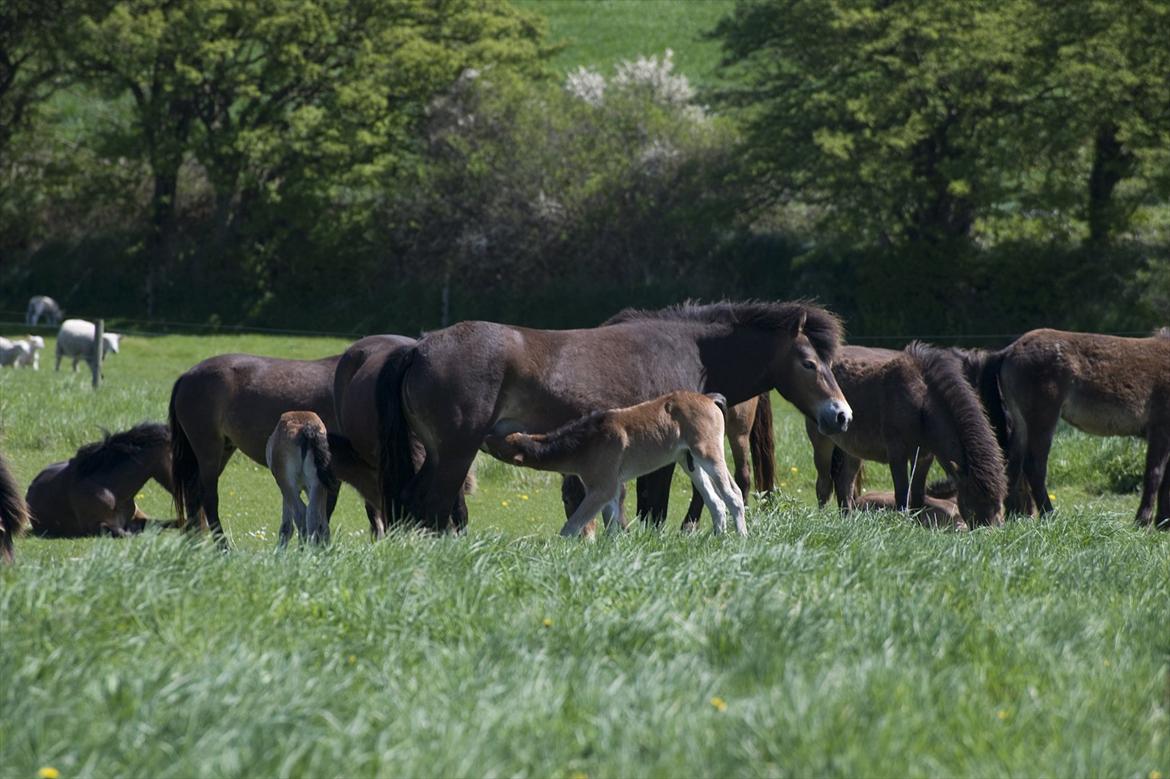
605 449
1101 384
912 406
234 401
458 384
298 456
43 306
13 512
93 493
24 352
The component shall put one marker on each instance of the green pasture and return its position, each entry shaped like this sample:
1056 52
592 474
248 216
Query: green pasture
820 645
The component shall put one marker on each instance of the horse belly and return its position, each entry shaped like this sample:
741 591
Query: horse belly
1104 415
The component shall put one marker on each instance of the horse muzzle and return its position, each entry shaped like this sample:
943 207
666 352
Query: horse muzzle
834 417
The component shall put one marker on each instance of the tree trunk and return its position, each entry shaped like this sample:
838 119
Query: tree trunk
1112 162
161 244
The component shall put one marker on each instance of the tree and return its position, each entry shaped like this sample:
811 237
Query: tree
275 96
915 120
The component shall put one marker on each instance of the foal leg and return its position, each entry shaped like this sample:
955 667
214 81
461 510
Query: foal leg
1157 453
690 521
595 500
728 492
611 512
318 516
287 518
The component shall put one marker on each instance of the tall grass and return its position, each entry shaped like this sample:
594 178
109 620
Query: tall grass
819 645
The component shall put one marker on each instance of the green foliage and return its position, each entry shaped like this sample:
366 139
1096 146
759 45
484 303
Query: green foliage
922 120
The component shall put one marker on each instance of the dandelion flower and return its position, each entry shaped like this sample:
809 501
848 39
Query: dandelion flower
352 659
1052 496
583 775
48 772
794 469
504 503
141 495
1155 774
547 622
719 703
523 497
1003 714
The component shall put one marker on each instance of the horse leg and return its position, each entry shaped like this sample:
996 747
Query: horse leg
1162 520
573 492
728 491
445 487
377 526
594 501
1040 433
612 511
1157 454
901 480
701 478
690 521
287 515
919 472
654 495
318 515
845 479
823 461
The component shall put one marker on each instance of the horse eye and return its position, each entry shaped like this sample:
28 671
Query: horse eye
810 365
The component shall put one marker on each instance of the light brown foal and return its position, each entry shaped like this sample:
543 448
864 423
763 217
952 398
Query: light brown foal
298 456
608 448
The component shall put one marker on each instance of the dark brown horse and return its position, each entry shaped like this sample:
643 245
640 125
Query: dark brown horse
13 512
93 493
912 406
459 383
355 444
1101 384
232 402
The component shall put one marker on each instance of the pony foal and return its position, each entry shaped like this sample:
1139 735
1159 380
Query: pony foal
605 449
298 456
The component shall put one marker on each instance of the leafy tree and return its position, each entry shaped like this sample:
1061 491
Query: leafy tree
275 98
914 120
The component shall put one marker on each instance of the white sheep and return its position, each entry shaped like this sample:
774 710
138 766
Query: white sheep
22 353
75 339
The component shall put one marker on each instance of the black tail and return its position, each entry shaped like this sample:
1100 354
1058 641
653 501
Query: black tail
314 439
762 442
719 400
982 370
14 518
945 376
395 465
188 491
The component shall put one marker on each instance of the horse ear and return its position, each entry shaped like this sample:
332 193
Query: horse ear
954 466
798 326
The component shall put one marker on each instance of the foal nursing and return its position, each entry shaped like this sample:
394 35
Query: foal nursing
605 449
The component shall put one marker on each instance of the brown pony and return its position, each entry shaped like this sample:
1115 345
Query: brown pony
1101 384
13 512
231 402
355 443
298 456
458 384
912 405
93 493
605 449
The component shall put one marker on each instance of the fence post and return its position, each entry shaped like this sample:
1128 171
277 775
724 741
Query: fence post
98 337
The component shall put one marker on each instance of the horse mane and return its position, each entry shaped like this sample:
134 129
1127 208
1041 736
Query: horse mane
562 442
823 327
116 448
943 370
14 518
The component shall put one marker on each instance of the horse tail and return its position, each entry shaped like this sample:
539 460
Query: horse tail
984 467
395 464
14 517
314 440
762 443
188 490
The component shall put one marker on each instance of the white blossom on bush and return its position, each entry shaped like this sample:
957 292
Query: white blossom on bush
655 77
585 84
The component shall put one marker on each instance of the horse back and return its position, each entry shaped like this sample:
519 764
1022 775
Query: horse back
240 397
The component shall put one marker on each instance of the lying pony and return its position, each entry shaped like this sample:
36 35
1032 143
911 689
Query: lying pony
605 449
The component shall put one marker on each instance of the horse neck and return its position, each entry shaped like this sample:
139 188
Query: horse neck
127 477
158 466
738 361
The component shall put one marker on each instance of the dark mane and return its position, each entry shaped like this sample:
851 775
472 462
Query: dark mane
822 326
563 441
13 511
943 370
114 449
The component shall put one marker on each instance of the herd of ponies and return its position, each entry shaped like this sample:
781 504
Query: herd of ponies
402 420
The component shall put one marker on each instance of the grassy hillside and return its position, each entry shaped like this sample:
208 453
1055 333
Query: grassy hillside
597 33
819 645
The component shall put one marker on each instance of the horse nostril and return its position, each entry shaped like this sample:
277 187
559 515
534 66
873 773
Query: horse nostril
842 418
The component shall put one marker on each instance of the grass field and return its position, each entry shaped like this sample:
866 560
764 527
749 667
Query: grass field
819 645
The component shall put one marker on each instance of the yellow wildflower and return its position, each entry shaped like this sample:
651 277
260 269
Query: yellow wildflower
504 503
1003 714
1052 496
48 772
578 775
352 659
523 497
794 469
547 622
1155 774
719 703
